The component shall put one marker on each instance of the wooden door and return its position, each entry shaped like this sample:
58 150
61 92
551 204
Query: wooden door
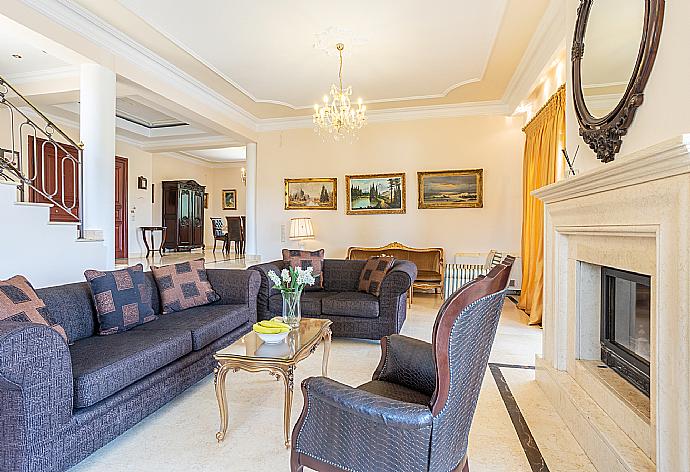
121 223
46 163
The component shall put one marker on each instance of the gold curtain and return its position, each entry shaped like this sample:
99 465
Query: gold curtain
545 137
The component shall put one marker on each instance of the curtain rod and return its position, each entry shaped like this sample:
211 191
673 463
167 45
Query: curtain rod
551 99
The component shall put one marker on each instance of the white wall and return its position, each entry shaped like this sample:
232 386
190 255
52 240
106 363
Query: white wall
139 163
664 113
493 143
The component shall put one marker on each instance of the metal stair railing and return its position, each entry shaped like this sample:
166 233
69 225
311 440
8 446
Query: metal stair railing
15 161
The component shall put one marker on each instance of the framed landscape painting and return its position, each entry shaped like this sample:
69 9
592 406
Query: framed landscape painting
372 194
311 194
230 199
451 189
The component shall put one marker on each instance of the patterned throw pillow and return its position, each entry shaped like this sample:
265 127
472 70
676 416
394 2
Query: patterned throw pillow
19 302
305 259
373 273
122 299
183 286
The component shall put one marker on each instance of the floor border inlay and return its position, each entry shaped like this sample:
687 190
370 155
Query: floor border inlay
529 445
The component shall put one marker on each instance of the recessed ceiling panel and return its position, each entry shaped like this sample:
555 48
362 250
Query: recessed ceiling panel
399 49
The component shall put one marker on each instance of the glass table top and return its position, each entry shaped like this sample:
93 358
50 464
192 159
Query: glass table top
250 346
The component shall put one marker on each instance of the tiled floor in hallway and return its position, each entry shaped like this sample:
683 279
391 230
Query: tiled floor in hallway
181 435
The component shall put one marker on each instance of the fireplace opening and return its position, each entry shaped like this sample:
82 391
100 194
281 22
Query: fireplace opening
625 325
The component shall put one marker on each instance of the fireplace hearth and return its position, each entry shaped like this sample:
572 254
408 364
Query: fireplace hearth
625 325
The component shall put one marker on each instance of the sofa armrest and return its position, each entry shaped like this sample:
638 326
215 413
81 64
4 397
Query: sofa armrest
266 290
235 287
408 362
399 279
35 388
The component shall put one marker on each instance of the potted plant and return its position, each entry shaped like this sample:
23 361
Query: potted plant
291 283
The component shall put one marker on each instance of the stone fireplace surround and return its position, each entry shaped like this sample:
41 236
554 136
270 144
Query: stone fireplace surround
632 214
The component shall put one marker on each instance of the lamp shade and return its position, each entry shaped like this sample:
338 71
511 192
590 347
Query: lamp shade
301 228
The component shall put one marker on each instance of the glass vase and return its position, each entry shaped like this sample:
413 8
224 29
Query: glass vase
292 312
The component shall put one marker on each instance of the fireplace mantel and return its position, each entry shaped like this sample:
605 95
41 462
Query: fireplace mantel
634 215
666 159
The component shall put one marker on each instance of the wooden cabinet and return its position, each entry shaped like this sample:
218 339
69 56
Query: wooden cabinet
183 214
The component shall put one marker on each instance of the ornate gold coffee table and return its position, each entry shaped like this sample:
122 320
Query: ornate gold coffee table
251 354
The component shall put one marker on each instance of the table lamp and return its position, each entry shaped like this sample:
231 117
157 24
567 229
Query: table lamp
301 229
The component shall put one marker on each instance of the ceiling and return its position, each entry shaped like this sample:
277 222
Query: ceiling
37 53
261 55
402 49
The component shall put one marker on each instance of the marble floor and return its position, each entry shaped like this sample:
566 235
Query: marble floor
214 260
181 435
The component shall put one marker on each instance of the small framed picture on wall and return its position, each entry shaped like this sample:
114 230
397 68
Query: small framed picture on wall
230 199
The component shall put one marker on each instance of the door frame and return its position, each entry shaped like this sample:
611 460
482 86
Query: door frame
125 221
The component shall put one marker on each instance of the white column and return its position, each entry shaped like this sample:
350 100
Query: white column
97 132
251 248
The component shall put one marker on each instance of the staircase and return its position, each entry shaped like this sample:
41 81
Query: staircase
45 252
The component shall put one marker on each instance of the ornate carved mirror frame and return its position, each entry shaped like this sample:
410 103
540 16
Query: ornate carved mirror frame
604 135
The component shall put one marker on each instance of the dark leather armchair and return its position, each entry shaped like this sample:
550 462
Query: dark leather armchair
415 415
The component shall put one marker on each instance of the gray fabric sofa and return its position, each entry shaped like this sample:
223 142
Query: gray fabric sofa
354 314
60 403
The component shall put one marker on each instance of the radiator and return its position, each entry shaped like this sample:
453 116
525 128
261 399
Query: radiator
457 275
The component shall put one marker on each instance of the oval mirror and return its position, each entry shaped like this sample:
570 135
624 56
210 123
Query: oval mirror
613 52
612 43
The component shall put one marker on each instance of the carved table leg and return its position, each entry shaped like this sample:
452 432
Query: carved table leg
220 373
143 235
326 352
163 236
289 378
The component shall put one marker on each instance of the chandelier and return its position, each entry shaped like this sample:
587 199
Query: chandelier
336 116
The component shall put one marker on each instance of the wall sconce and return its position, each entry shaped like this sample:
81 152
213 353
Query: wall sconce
243 175
142 183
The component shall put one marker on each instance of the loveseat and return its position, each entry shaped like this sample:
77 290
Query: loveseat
429 262
60 403
353 313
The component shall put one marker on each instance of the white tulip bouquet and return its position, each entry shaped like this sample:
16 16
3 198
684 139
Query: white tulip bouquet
291 283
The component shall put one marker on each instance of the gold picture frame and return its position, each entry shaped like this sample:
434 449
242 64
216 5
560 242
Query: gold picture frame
230 199
451 189
298 194
380 188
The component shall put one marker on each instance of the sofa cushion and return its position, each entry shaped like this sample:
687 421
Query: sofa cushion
19 302
373 274
122 298
342 275
304 260
428 276
355 304
104 365
205 323
184 285
310 303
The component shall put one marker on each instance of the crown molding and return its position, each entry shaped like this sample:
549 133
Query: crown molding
494 107
81 21
57 73
547 41
184 157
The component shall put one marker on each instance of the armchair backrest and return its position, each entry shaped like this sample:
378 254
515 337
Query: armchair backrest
217 227
463 334
234 228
